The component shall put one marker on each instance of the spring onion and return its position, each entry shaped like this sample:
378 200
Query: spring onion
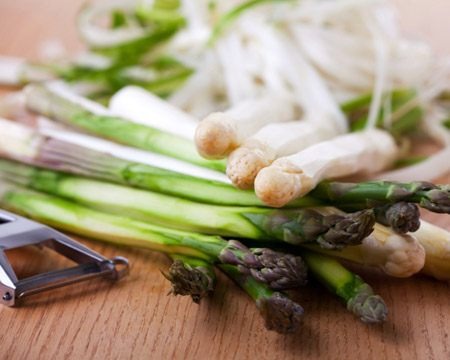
57 102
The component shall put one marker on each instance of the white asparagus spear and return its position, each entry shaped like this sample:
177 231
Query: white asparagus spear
293 176
221 132
396 255
270 143
436 242
141 106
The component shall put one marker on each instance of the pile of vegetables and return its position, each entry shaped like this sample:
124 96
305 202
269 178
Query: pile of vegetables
310 111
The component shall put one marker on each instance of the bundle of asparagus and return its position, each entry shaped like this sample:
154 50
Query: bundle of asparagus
263 273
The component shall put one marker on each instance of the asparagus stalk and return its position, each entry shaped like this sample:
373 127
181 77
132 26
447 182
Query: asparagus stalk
397 255
375 193
221 132
357 295
270 143
436 242
290 177
53 100
280 313
86 155
402 217
278 270
293 226
191 276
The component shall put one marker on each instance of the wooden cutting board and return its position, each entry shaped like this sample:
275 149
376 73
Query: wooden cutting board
137 319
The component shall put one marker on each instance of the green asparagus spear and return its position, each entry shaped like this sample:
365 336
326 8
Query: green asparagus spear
357 295
280 313
402 217
293 226
261 264
191 276
375 193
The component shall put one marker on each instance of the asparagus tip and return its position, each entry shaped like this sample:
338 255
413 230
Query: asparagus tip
187 280
350 229
280 313
437 200
280 271
402 217
369 307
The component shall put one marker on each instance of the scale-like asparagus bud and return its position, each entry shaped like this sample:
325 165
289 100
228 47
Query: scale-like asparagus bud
376 193
278 270
189 276
280 313
402 217
358 295
332 231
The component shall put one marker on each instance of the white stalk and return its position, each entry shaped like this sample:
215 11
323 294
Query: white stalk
293 176
221 132
397 255
140 106
268 144
436 242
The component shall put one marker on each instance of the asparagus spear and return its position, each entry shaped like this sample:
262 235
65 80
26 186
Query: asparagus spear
221 132
195 277
357 295
374 193
191 276
293 226
271 142
278 270
397 255
436 242
66 154
101 159
290 177
54 101
402 217
280 313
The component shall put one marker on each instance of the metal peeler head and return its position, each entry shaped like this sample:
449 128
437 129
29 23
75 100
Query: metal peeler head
17 231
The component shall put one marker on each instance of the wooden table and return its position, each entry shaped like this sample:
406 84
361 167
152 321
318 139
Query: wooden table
137 319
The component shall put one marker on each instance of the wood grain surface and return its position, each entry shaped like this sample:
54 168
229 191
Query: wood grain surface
135 318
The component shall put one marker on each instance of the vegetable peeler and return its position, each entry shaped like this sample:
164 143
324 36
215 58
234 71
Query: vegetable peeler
17 231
